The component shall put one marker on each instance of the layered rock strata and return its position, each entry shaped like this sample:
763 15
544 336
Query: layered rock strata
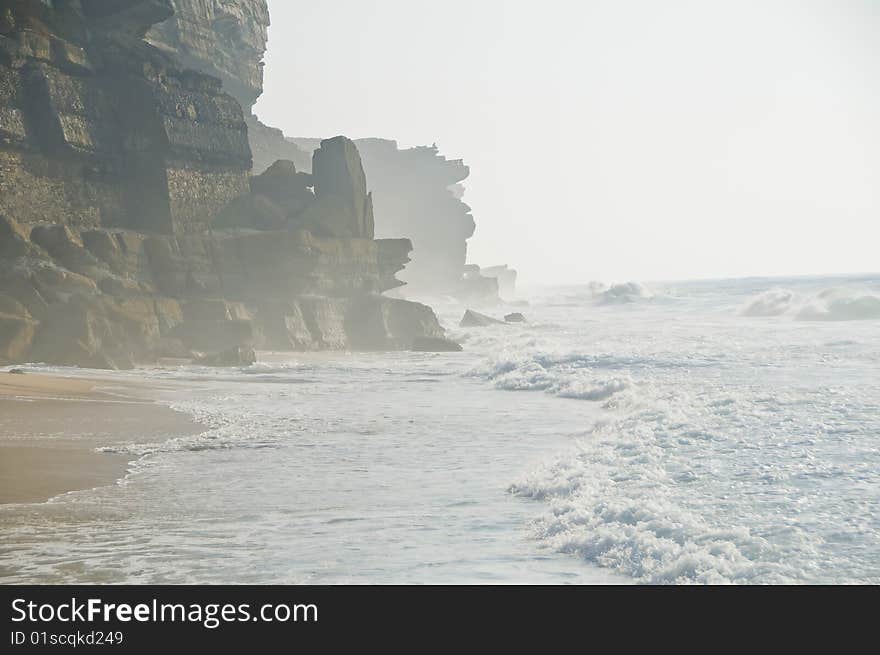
227 39
418 191
223 38
130 228
417 194
99 129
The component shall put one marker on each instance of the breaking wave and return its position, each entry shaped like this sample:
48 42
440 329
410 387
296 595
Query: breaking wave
841 304
564 375
775 302
834 304
704 459
626 292
685 487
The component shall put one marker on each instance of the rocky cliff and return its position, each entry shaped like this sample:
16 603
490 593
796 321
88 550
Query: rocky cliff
100 129
417 193
227 39
130 226
223 38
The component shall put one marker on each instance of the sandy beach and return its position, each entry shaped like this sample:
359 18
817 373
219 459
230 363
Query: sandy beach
51 426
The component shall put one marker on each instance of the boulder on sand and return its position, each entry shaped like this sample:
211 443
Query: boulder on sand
475 319
435 345
515 317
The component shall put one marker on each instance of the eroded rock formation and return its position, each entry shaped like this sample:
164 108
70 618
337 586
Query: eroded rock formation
130 227
476 319
417 191
268 145
417 194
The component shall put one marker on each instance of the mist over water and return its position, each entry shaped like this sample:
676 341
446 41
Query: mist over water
719 431
614 138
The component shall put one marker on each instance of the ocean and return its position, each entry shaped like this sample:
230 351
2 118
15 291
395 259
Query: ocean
669 433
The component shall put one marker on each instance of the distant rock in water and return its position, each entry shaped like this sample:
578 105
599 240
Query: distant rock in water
516 317
506 278
239 356
475 287
475 319
435 345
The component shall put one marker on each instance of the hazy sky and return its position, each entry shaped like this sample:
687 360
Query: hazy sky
613 140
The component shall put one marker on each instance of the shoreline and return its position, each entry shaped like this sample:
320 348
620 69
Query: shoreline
51 426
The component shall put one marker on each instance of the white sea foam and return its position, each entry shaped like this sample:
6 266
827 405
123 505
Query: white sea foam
718 457
638 496
626 292
670 441
526 365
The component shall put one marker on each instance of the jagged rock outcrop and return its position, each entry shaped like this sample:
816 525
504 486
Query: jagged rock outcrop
435 345
417 194
223 38
332 201
342 204
268 145
476 319
139 297
130 228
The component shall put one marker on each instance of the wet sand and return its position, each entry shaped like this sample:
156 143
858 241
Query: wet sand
50 427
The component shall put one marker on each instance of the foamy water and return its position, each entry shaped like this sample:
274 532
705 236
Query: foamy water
720 432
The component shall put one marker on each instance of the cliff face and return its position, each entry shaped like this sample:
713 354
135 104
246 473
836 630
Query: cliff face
268 145
227 39
99 129
224 38
130 228
417 193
